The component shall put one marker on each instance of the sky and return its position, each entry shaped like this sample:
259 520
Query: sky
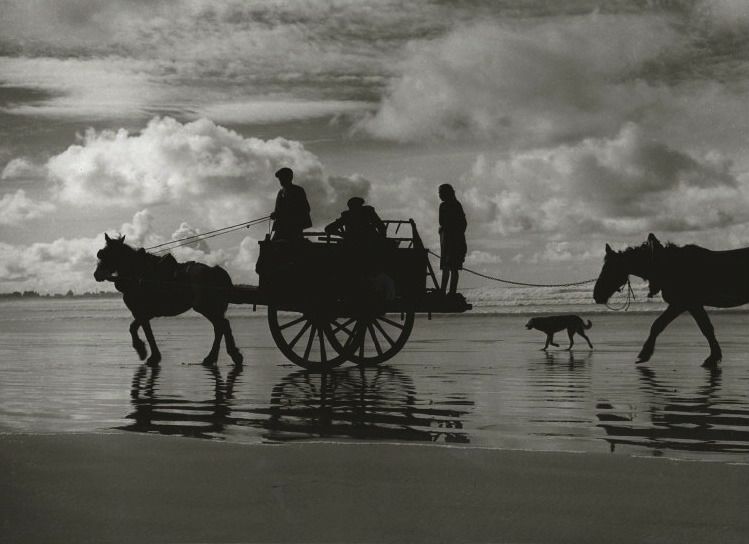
562 125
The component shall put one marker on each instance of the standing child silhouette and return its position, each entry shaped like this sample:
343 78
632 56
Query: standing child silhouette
452 231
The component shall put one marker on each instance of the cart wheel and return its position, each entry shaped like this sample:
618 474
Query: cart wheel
312 341
378 339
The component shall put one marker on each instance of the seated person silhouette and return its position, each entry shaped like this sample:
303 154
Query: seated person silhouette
364 246
358 224
292 212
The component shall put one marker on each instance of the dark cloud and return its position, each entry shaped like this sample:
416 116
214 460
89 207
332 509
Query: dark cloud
626 184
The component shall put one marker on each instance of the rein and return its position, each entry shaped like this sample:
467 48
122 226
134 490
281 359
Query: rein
627 303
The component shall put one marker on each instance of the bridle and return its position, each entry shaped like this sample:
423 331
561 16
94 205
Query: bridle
627 303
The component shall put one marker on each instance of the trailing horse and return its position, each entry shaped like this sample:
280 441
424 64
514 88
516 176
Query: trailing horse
154 286
689 278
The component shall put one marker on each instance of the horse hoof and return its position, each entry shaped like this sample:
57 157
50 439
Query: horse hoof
642 360
142 353
237 358
209 361
154 359
710 362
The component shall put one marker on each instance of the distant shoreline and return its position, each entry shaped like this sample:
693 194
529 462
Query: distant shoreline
562 307
33 295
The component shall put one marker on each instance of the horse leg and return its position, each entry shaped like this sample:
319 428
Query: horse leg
668 315
218 333
703 322
138 344
571 333
155 353
231 346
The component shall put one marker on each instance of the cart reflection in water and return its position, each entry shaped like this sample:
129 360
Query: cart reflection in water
374 404
356 403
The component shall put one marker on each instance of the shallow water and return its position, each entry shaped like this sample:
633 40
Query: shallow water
476 380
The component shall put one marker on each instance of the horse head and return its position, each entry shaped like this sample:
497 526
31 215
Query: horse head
109 259
613 276
618 265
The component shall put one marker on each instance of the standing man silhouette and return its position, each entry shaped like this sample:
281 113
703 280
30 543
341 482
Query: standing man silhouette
291 214
452 237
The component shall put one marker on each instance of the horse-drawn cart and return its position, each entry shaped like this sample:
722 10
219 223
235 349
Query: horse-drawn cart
331 301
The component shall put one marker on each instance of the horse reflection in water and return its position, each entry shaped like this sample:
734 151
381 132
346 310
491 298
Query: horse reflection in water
171 415
701 422
362 403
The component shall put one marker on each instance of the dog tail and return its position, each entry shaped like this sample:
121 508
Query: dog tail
589 325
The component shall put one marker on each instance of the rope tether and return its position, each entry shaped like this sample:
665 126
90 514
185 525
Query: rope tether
625 305
206 235
173 244
519 283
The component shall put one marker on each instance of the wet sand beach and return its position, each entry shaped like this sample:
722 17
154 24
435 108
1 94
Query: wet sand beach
135 488
470 434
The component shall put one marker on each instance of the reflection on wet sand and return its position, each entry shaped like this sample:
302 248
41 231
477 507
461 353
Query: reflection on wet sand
169 414
573 360
378 403
702 421
372 404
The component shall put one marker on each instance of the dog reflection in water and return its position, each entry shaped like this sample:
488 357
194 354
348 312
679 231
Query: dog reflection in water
557 323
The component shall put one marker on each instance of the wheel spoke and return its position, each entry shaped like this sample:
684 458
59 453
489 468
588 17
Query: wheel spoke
374 339
292 323
323 357
344 327
300 334
312 344
309 342
362 334
382 331
391 322
386 336
352 339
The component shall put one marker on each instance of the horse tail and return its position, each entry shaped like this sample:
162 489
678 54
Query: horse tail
589 325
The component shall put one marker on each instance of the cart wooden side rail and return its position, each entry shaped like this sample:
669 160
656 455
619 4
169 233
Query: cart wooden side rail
330 301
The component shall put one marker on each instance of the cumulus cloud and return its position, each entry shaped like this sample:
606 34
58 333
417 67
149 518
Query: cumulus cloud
626 184
68 263
50 267
482 257
22 168
224 176
139 232
539 82
726 13
17 207
560 252
185 231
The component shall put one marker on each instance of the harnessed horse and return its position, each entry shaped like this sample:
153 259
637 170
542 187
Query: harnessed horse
154 286
688 278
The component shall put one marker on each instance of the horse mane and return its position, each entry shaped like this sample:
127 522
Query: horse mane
146 263
656 269
647 246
